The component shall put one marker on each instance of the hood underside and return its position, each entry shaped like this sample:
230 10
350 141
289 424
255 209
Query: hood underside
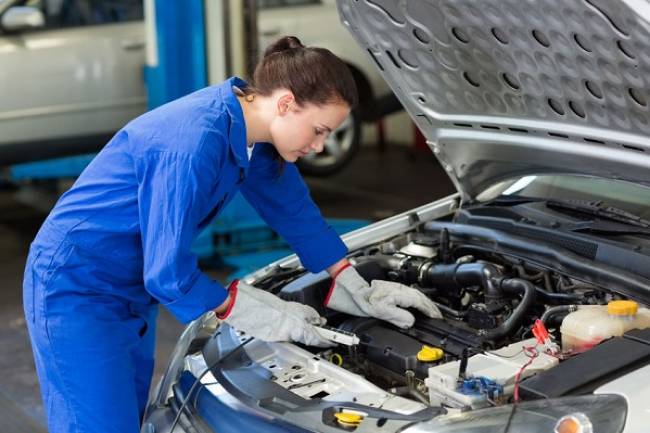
505 88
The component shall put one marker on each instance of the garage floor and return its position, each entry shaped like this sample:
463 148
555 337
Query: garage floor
376 185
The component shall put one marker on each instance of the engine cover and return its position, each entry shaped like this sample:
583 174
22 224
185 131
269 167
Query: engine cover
396 350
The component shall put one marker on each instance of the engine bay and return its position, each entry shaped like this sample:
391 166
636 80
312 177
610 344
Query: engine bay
508 321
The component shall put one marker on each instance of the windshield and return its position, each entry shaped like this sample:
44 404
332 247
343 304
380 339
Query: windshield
630 197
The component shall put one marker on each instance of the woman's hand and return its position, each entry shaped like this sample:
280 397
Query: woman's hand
385 300
267 317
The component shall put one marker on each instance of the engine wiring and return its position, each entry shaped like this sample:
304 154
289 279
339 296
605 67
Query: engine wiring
532 353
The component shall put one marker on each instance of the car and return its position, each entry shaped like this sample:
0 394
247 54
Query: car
80 68
71 75
540 263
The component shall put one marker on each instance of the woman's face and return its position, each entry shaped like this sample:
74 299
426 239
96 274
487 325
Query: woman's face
298 130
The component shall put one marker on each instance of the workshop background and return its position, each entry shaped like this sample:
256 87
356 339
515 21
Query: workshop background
72 72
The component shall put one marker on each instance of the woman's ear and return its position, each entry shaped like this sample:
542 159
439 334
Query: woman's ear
286 103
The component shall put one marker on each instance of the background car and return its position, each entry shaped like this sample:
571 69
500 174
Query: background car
540 263
73 74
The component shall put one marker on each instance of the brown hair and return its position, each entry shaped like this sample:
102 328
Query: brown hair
314 75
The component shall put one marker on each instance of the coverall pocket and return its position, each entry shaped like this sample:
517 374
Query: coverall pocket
145 319
143 329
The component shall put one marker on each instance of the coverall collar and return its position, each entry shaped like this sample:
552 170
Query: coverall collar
237 131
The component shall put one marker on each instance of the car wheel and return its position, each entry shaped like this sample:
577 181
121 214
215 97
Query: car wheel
340 147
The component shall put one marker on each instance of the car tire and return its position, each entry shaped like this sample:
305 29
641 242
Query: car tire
340 147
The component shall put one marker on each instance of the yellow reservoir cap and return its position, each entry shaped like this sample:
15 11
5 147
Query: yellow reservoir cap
622 308
347 418
430 354
336 359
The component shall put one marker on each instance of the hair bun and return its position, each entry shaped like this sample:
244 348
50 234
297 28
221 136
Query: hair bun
283 44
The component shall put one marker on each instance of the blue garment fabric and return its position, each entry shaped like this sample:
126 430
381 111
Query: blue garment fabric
118 243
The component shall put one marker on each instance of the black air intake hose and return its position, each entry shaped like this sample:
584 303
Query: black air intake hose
463 275
494 285
424 272
512 323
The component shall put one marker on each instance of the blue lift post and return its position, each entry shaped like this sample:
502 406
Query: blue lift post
238 238
180 61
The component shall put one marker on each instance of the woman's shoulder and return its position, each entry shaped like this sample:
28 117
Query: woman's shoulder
183 125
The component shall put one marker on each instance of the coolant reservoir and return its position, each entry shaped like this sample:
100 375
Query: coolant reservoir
591 324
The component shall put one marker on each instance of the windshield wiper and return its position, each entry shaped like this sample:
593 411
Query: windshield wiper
610 228
599 209
613 222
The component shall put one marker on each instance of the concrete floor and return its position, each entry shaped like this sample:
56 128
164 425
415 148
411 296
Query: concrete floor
374 186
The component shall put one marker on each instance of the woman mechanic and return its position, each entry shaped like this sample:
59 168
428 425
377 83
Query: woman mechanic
118 242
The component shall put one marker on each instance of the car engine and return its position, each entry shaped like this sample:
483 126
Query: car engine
501 327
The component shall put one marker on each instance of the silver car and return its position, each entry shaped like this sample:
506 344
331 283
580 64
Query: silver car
538 111
71 75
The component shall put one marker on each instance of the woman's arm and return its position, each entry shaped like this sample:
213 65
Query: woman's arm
171 201
281 198
338 267
223 307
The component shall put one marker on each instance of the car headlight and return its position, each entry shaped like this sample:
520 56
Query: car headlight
585 414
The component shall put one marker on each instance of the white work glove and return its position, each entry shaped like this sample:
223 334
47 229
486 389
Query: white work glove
265 316
351 294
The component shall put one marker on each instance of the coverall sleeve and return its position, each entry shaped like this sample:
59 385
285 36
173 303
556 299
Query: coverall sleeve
282 199
172 194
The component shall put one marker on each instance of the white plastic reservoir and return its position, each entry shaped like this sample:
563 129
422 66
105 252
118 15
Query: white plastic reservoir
591 324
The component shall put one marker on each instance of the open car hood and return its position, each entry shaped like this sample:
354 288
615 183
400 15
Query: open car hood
505 88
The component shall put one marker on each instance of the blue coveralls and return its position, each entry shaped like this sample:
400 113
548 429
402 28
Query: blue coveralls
118 243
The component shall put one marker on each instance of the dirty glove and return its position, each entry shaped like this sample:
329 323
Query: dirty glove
351 294
267 317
